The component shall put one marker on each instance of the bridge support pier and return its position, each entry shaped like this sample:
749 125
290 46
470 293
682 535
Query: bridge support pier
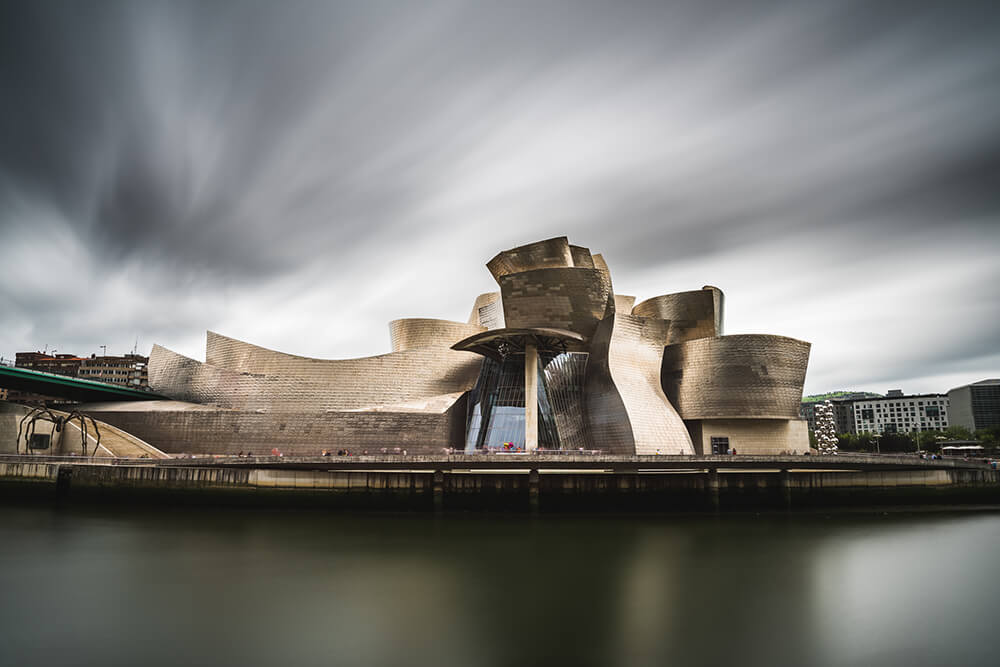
438 487
784 482
712 488
64 479
533 500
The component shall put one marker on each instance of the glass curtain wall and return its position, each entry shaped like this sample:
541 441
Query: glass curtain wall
496 413
496 404
561 416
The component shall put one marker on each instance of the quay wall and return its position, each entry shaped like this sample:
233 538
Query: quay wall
563 491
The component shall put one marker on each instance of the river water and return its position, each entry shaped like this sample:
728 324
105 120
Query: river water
250 587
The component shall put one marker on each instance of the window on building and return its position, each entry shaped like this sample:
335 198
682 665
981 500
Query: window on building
720 444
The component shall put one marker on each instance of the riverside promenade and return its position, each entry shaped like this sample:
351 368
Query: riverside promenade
513 481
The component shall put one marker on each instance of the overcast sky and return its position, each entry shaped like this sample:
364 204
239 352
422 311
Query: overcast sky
297 174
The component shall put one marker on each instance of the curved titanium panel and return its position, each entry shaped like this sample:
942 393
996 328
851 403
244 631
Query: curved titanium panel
719 299
634 360
551 253
411 333
623 304
185 379
602 266
244 376
695 314
748 375
566 298
487 311
581 257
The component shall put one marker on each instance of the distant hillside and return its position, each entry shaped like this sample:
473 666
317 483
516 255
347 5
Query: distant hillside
816 398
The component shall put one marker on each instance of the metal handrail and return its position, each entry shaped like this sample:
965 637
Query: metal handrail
51 458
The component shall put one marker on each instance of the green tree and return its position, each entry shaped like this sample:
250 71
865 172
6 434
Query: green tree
862 442
897 442
958 433
865 442
990 437
929 441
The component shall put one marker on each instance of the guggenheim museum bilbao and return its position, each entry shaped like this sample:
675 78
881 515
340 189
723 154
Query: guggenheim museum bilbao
553 360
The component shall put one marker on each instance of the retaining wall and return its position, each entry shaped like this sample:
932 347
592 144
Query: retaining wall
507 491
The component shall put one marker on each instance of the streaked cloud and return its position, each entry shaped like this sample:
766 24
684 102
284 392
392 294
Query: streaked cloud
298 173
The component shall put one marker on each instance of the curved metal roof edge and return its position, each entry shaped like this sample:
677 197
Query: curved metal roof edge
465 344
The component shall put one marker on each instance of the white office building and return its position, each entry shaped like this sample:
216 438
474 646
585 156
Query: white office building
897 413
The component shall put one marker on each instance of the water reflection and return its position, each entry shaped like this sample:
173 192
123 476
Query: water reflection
907 596
253 588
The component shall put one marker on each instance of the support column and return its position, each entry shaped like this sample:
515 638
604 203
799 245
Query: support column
533 503
64 478
712 486
438 486
530 397
786 488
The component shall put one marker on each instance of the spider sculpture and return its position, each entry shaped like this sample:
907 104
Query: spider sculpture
27 426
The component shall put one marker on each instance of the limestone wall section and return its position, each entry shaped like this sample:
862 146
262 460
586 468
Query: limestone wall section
752 436
742 376
217 431
11 415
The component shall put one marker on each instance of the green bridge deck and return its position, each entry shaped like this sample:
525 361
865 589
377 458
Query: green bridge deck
64 386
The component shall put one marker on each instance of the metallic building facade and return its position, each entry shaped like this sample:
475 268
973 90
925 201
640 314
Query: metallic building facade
553 360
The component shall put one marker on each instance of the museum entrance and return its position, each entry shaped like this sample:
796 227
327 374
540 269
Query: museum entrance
529 394
498 416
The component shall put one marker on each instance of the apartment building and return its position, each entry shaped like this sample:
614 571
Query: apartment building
899 413
129 370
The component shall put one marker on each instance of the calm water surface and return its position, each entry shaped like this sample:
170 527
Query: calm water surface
241 587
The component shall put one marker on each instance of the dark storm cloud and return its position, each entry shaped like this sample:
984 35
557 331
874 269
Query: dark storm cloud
149 125
193 165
